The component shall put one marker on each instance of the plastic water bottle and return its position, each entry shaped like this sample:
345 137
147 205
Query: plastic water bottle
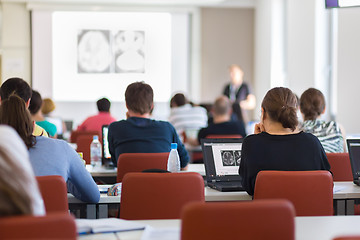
173 164
95 152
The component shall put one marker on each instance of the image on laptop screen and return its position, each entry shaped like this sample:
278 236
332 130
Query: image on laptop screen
354 152
106 152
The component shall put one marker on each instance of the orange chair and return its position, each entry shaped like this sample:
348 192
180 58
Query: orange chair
311 192
83 145
51 226
54 193
256 220
224 136
340 166
159 195
347 238
138 162
74 134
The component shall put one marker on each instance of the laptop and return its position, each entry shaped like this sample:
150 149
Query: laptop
106 156
354 154
222 160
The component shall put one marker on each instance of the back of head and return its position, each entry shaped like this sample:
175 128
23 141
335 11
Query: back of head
15 86
16 197
13 112
280 105
48 106
178 100
222 106
139 97
35 102
312 104
103 105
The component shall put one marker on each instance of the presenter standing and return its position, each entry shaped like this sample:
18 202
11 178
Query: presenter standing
239 92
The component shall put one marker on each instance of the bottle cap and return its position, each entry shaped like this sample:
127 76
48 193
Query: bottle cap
174 146
95 137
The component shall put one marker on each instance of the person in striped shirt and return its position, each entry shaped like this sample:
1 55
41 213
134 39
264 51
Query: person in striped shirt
330 134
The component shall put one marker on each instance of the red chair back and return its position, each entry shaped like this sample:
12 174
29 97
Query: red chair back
311 192
224 136
159 195
256 220
54 193
74 134
138 162
51 226
348 238
83 145
340 166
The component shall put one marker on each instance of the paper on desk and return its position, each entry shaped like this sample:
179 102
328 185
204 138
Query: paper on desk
103 225
338 188
151 233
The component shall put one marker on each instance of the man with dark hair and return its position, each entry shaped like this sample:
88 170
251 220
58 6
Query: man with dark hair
140 134
95 123
222 125
186 118
22 89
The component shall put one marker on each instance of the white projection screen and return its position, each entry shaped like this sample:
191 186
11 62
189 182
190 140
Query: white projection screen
88 55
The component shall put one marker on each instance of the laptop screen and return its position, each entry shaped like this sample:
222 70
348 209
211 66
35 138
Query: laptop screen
354 154
222 158
105 143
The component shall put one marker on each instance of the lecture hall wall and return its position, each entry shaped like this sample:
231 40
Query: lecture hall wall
302 62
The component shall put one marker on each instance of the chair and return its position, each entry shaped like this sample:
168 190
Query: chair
311 192
51 226
256 220
54 193
224 136
340 166
159 195
138 162
83 145
74 134
348 238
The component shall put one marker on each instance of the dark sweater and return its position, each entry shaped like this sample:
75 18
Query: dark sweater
143 135
294 152
225 128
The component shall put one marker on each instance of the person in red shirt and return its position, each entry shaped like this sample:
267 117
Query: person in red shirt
94 123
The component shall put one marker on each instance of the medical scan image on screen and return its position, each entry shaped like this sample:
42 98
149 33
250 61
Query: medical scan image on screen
227 158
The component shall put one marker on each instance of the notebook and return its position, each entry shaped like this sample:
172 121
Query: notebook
222 160
106 156
354 154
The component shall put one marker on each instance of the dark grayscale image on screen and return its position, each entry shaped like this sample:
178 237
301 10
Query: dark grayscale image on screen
228 158
129 52
94 51
237 155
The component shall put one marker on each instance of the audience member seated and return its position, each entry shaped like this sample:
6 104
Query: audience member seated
222 124
47 108
184 116
49 156
95 123
22 89
19 193
277 144
37 116
140 134
330 134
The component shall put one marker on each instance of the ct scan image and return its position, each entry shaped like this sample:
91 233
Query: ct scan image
94 51
237 155
228 158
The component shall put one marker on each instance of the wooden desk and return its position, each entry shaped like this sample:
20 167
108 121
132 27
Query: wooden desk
319 228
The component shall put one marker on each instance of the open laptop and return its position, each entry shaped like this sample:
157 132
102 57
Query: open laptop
106 156
222 161
354 154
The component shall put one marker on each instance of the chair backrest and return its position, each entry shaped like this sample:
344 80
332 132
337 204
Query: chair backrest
74 134
224 136
311 192
256 220
51 226
83 145
340 166
54 193
348 238
138 162
159 195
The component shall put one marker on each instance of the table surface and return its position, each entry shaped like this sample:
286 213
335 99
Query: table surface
306 228
344 190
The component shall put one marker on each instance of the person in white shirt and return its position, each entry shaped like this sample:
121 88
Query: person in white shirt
186 118
19 192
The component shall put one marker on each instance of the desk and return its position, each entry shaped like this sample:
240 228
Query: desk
306 228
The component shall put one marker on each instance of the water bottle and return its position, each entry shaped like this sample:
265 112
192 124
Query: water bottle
173 164
95 152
